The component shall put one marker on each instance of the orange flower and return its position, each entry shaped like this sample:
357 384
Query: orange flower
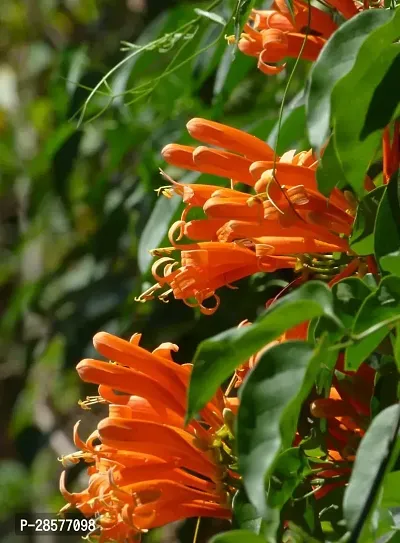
272 35
285 223
146 468
347 412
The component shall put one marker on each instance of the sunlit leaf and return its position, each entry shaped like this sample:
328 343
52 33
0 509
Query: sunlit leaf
270 402
337 59
348 119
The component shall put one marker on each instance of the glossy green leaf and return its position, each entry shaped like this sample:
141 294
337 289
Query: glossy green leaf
393 537
237 536
362 237
270 403
380 309
337 59
217 357
387 229
391 263
372 63
391 490
374 459
385 101
348 296
357 353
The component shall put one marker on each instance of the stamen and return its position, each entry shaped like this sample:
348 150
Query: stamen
90 400
148 294
166 191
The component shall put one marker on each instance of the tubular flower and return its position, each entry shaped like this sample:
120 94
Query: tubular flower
347 412
147 469
285 223
275 34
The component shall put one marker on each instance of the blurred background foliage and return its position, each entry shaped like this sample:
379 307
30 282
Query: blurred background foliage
78 207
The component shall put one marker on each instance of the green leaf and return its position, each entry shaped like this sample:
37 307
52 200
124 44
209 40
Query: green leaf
237 536
245 515
337 59
348 297
212 16
357 353
362 236
348 116
394 537
270 403
380 309
375 456
217 357
391 494
288 472
385 101
330 172
391 263
387 229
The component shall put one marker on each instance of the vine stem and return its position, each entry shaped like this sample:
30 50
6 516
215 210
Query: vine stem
280 117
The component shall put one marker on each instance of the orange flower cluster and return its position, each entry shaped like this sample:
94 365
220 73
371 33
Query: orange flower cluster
347 412
285 223
275 34
147 469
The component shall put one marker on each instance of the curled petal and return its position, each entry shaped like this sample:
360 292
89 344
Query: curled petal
267 68
154 269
